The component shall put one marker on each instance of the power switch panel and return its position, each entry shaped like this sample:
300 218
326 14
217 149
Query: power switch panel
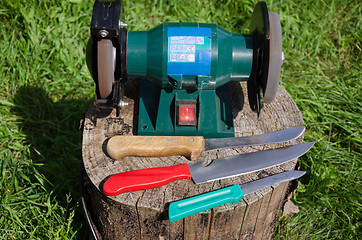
186 113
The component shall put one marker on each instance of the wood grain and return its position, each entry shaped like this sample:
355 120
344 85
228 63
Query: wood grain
142 214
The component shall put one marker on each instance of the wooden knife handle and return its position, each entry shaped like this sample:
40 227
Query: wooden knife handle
155 146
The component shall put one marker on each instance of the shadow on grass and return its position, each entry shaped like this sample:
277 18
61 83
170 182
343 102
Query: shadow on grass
52 130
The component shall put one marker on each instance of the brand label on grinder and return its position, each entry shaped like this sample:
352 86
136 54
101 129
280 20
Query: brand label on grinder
189 51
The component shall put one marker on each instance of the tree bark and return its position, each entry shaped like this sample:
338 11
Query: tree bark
141 214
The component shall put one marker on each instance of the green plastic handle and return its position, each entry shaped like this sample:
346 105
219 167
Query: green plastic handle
190 206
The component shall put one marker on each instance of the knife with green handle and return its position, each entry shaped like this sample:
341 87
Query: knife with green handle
190 206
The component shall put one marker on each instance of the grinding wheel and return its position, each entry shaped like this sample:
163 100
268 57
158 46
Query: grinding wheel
106 61
266 33
275 58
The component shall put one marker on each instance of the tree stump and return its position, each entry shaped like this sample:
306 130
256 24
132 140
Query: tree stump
141 214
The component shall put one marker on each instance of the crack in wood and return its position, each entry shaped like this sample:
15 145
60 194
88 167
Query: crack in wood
211 221
138 216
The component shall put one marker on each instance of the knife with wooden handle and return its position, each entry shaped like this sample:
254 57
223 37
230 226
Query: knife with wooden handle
190 147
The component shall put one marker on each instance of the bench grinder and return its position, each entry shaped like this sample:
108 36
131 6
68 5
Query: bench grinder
185 69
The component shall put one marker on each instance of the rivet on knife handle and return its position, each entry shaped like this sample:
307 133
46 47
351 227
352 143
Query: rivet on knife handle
155 146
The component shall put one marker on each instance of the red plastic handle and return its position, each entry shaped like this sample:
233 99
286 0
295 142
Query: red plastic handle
144 179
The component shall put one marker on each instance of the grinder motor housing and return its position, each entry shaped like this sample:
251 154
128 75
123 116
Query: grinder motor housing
185 70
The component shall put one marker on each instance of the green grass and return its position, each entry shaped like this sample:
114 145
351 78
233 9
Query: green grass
45 87
323 74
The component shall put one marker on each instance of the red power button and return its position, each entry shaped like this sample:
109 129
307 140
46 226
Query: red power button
186 115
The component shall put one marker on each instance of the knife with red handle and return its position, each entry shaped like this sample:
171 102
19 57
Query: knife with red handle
219 168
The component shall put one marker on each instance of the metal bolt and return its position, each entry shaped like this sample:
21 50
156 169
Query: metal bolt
191 139
169 139
103 33
148 139
122 104
122 24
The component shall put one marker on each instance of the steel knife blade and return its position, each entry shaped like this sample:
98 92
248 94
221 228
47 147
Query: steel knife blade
190 206
190 147
220 168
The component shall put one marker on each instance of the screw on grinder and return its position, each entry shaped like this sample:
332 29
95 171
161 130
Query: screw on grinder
185 69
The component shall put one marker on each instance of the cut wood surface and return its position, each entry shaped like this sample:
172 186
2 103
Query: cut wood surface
142 215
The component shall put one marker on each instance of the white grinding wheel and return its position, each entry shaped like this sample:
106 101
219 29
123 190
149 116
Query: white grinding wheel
106 56
275 58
